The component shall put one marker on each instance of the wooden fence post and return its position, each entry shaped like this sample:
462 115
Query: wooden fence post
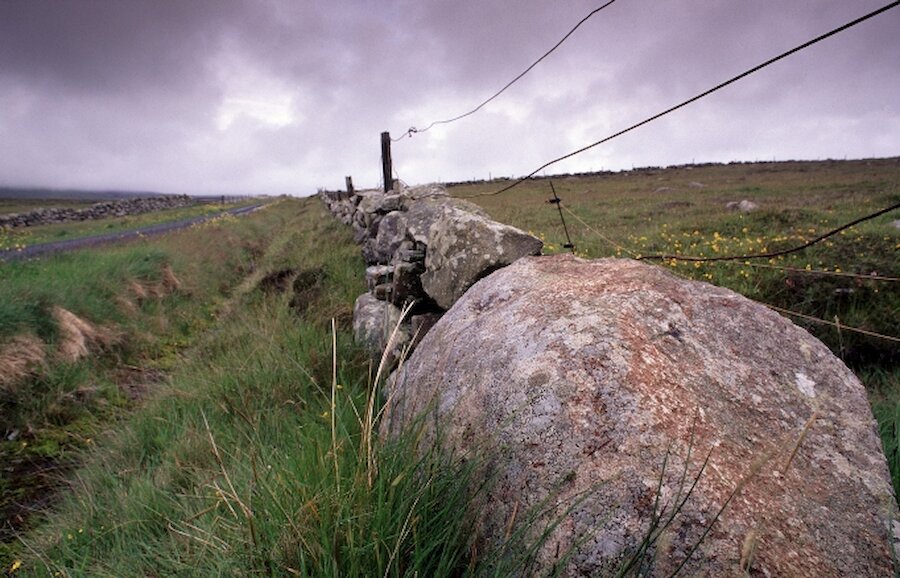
386 167
349 182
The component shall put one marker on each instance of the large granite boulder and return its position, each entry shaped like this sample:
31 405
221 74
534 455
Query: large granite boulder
464 247
603 386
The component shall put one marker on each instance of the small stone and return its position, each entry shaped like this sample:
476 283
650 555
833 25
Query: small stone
378 275
407 283
743 206
374 322
383 292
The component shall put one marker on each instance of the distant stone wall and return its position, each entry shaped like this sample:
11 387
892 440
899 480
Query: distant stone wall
102 210
423 249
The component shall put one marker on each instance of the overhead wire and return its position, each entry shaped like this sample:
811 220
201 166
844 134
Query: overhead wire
703 94
413 130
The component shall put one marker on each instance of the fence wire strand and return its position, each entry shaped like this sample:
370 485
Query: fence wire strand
603 237
413 130
840 326
862 276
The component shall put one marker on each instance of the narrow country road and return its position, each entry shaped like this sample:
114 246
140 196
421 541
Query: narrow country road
42 249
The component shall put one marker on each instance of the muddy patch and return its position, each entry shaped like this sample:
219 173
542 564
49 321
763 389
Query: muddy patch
307 287
137 383
276 281
29 485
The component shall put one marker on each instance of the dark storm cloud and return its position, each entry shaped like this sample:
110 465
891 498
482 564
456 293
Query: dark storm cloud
108 46
283 96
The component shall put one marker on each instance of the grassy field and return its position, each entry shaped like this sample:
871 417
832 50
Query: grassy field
24 236
681 211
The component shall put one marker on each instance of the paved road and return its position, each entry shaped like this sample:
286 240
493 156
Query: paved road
42 249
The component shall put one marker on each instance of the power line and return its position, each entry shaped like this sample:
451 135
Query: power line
771 254
695 98
414 130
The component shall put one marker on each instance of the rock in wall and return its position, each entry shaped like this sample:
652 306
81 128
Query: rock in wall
423 249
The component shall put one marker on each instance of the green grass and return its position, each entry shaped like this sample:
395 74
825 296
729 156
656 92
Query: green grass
48 419
84 282
259 457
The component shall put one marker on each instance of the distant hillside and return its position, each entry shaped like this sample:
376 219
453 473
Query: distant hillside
71 194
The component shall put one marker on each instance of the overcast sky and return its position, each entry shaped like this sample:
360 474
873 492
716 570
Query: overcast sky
284 96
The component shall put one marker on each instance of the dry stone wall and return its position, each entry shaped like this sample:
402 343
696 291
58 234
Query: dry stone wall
610 393
423 250
102 210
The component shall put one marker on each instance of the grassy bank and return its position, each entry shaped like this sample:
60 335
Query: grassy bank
257 455
682 211
84 336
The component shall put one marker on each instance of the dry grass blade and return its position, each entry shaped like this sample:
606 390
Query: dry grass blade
247 512
371 415
19 358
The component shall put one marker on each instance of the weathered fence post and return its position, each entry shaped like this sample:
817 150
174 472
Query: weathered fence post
349 182
386 168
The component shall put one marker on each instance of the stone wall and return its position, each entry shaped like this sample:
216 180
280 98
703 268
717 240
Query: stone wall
611 396
423 249
102 210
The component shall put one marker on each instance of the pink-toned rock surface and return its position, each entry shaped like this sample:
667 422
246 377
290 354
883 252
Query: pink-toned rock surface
577 376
